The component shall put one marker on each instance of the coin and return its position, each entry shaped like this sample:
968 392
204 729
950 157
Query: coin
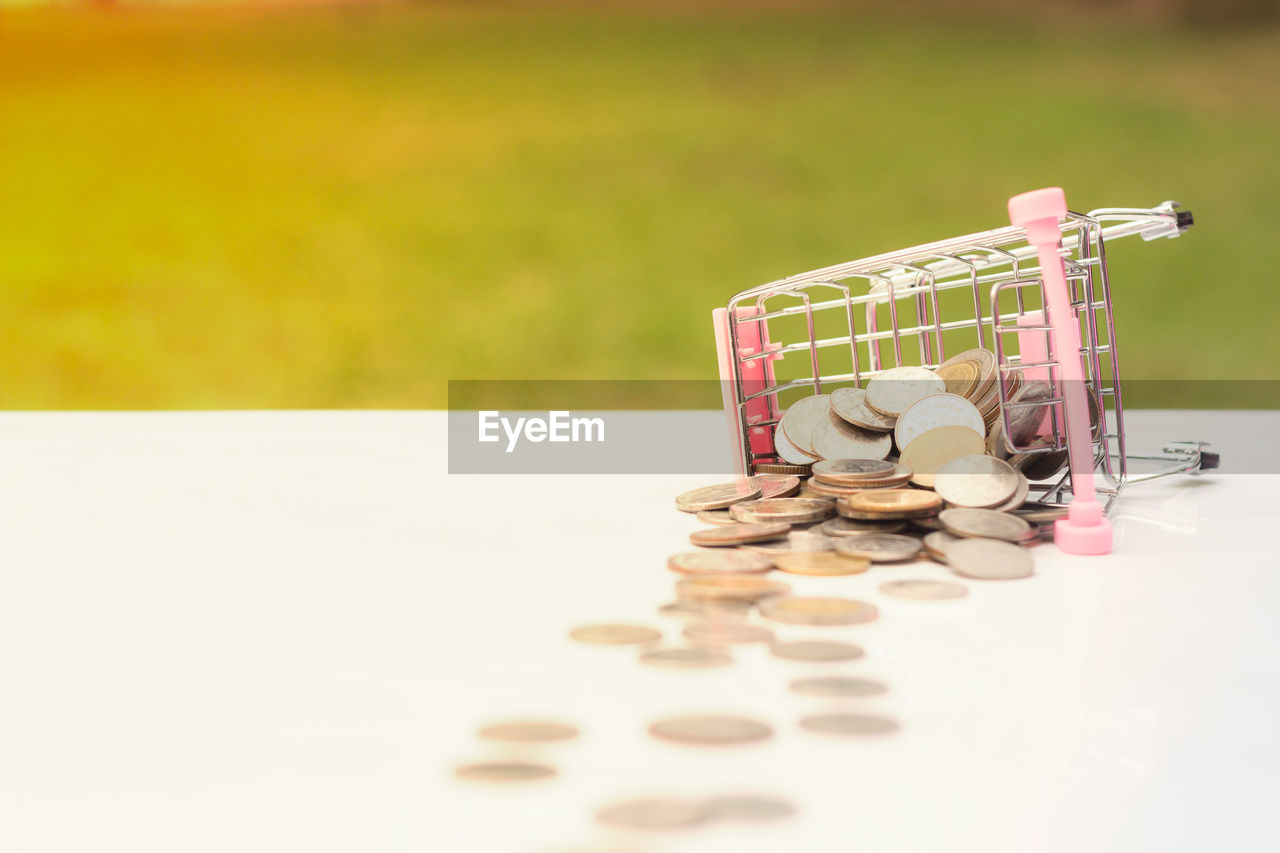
837 685
923 590
719 517
934 411
718 496
781 468
893 391
880 547
1019 495
816 650
503 771
726 633
719 562
803 610
893 502
655 813
848 724
1038 513
801 418
984 524
736 534
852 472
528 731
983 360
788 452
795 542
961 376
789 510
836 438
930 450
822 563
744 587
975 481
1041 465
698 609
749 807
937 542
776 485
686 658
852 527
710 730
1026 419
851 405
615 634
989 559
818 489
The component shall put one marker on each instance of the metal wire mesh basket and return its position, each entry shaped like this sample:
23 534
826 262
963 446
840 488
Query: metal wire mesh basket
840 325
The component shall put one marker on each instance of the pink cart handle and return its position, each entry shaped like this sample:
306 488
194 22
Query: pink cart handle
1086 529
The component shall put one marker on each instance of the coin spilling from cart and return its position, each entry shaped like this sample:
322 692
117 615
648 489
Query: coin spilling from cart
868 462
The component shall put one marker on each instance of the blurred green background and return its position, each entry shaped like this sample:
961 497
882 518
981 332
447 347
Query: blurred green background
347 206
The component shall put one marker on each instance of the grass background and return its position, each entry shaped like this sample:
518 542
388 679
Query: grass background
346 207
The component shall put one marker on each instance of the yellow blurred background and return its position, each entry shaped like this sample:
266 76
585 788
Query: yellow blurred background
346 205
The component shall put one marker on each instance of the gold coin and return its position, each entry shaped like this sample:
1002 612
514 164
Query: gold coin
503 771
737 534
528 731
718 562
615 635
710 730
893 501
961 376
802 610
776 485
718 496
789 510
744 587
686 658
930 450
781 468
820 563
726 633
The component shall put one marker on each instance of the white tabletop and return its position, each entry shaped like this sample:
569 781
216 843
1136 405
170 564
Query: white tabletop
279 631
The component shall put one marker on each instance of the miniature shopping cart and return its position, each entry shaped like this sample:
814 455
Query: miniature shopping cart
1029 292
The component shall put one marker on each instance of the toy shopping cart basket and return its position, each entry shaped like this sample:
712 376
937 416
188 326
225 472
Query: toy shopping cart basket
838 326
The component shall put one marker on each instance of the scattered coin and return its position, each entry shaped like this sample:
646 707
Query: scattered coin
698 609
655 813
821 563
802 610
848 724
893 503
816 650
851 405
776 485
937 542
710 729
744 587
853 527
923 590
718 496
788 510
837 685
880 547
893 391
977 480
737 534
781 468
795 542
750 808
815 488
836 438
852 472
503 771
935 411
528 731
719 562
686 658
984 524
726 633
930 450
719 517
989 559
801 418
615 634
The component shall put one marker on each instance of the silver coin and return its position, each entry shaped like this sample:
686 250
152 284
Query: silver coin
738 534
836 438
1019 494
851 527
851 405
749 807
528 731
726 633
503 771
989 559
937 542
776 485
710 729
848 724
816 650
655 813
935 411
788 510
718 517
801 418
718 496
976 481
611 634
880 547
893 391
813 610
719 562
795 542
1025 419
984 524
837 685
852 472
686 658
788 452
923 590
